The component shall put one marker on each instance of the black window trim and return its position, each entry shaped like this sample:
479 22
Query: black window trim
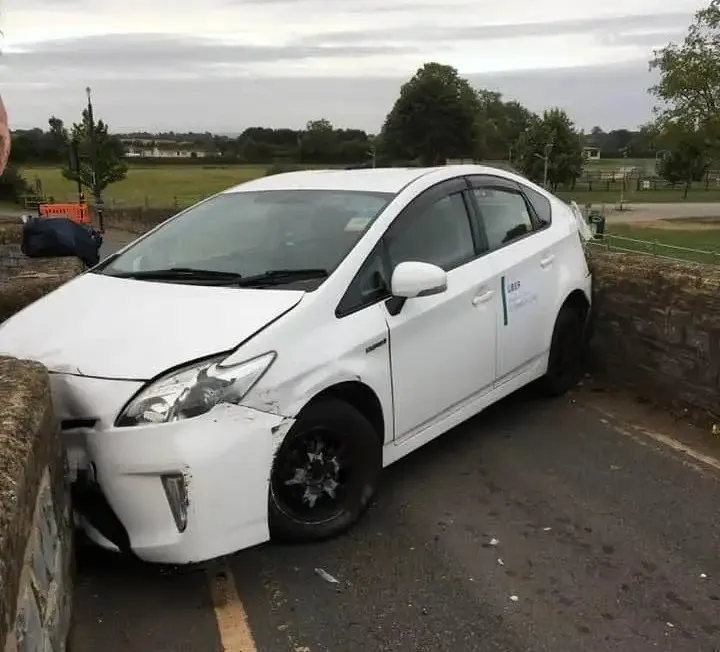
429 196
500 183
541 225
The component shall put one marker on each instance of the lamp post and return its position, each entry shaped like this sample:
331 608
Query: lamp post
546 160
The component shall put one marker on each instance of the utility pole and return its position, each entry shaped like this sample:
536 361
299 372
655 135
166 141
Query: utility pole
97 198
75 166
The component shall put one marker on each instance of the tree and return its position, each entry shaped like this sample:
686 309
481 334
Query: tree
435 118
108 156
553 136
57 139
318 143
689 86
13 185
500 125
686 155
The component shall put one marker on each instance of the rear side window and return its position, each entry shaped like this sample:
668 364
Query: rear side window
540 204
504 215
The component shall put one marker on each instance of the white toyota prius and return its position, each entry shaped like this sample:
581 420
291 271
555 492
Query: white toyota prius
245 370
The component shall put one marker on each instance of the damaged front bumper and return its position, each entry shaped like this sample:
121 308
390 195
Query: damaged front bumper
178 492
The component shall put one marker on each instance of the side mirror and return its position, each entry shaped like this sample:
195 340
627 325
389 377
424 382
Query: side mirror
413 279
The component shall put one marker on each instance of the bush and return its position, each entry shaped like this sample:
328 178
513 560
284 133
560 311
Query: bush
13 185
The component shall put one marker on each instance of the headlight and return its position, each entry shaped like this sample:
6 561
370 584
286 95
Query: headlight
193 390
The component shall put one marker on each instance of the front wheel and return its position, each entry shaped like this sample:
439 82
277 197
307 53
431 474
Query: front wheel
324 474
566 353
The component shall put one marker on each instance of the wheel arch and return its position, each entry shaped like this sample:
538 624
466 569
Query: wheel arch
578 300
360 396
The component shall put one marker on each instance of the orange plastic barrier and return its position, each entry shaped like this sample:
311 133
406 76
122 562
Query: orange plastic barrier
76 212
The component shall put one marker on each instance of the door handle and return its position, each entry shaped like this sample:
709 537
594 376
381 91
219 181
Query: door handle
546 262
483 298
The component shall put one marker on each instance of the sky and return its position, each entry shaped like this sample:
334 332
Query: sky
225 65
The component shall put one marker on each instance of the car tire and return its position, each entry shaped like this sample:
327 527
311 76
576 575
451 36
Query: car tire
303 472
567 353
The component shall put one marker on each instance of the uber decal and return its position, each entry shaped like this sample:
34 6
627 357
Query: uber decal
515 296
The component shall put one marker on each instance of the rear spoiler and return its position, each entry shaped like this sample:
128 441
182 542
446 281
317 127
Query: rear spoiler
583 227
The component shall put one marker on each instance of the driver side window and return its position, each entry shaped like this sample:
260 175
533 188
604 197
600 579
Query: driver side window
439 234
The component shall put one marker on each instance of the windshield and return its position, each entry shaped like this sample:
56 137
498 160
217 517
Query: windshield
271 237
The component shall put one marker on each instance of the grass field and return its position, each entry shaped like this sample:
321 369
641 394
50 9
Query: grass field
167 185
155 186
670 238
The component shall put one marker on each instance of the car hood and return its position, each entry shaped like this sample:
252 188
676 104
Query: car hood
110 327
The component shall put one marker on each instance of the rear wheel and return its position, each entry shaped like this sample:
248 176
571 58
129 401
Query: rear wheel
566 353
324 474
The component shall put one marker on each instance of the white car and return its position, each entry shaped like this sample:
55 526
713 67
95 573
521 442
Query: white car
245 369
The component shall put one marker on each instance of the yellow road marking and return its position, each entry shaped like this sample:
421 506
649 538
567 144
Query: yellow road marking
235 633
665 440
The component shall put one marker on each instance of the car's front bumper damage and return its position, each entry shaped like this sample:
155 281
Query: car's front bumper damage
177 492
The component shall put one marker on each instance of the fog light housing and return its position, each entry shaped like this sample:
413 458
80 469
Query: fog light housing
177 497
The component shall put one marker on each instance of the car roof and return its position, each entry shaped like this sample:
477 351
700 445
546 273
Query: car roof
390 180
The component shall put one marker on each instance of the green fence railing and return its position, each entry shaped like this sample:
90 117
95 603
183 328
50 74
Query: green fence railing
610 242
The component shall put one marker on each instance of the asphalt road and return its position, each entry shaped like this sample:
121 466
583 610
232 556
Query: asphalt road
537 526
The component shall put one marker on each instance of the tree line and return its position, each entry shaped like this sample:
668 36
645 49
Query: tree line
439 116
319 142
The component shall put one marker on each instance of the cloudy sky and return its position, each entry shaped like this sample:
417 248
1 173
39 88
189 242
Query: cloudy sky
224 65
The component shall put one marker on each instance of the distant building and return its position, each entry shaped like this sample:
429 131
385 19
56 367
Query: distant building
156 152
591 153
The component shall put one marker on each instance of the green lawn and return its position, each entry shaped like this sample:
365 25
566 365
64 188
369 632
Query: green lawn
167 185
161 185
672 243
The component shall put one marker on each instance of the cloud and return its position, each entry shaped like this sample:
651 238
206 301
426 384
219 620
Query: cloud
157 52
610 96
630 26
229 64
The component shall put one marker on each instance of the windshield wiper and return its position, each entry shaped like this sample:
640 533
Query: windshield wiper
280 276
179 273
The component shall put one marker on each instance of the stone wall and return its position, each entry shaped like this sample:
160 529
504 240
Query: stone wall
12 260
136 220
657 330
36 530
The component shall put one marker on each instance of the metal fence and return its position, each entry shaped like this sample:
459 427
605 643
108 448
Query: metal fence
610 242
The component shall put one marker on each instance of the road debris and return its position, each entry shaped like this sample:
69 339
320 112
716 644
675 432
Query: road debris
501 562
494 542
326 576
703 576
547 529
514 598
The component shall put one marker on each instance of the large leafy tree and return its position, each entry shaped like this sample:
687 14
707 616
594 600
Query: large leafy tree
687 125
435 118
551 136
500 125
101 159
688 91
